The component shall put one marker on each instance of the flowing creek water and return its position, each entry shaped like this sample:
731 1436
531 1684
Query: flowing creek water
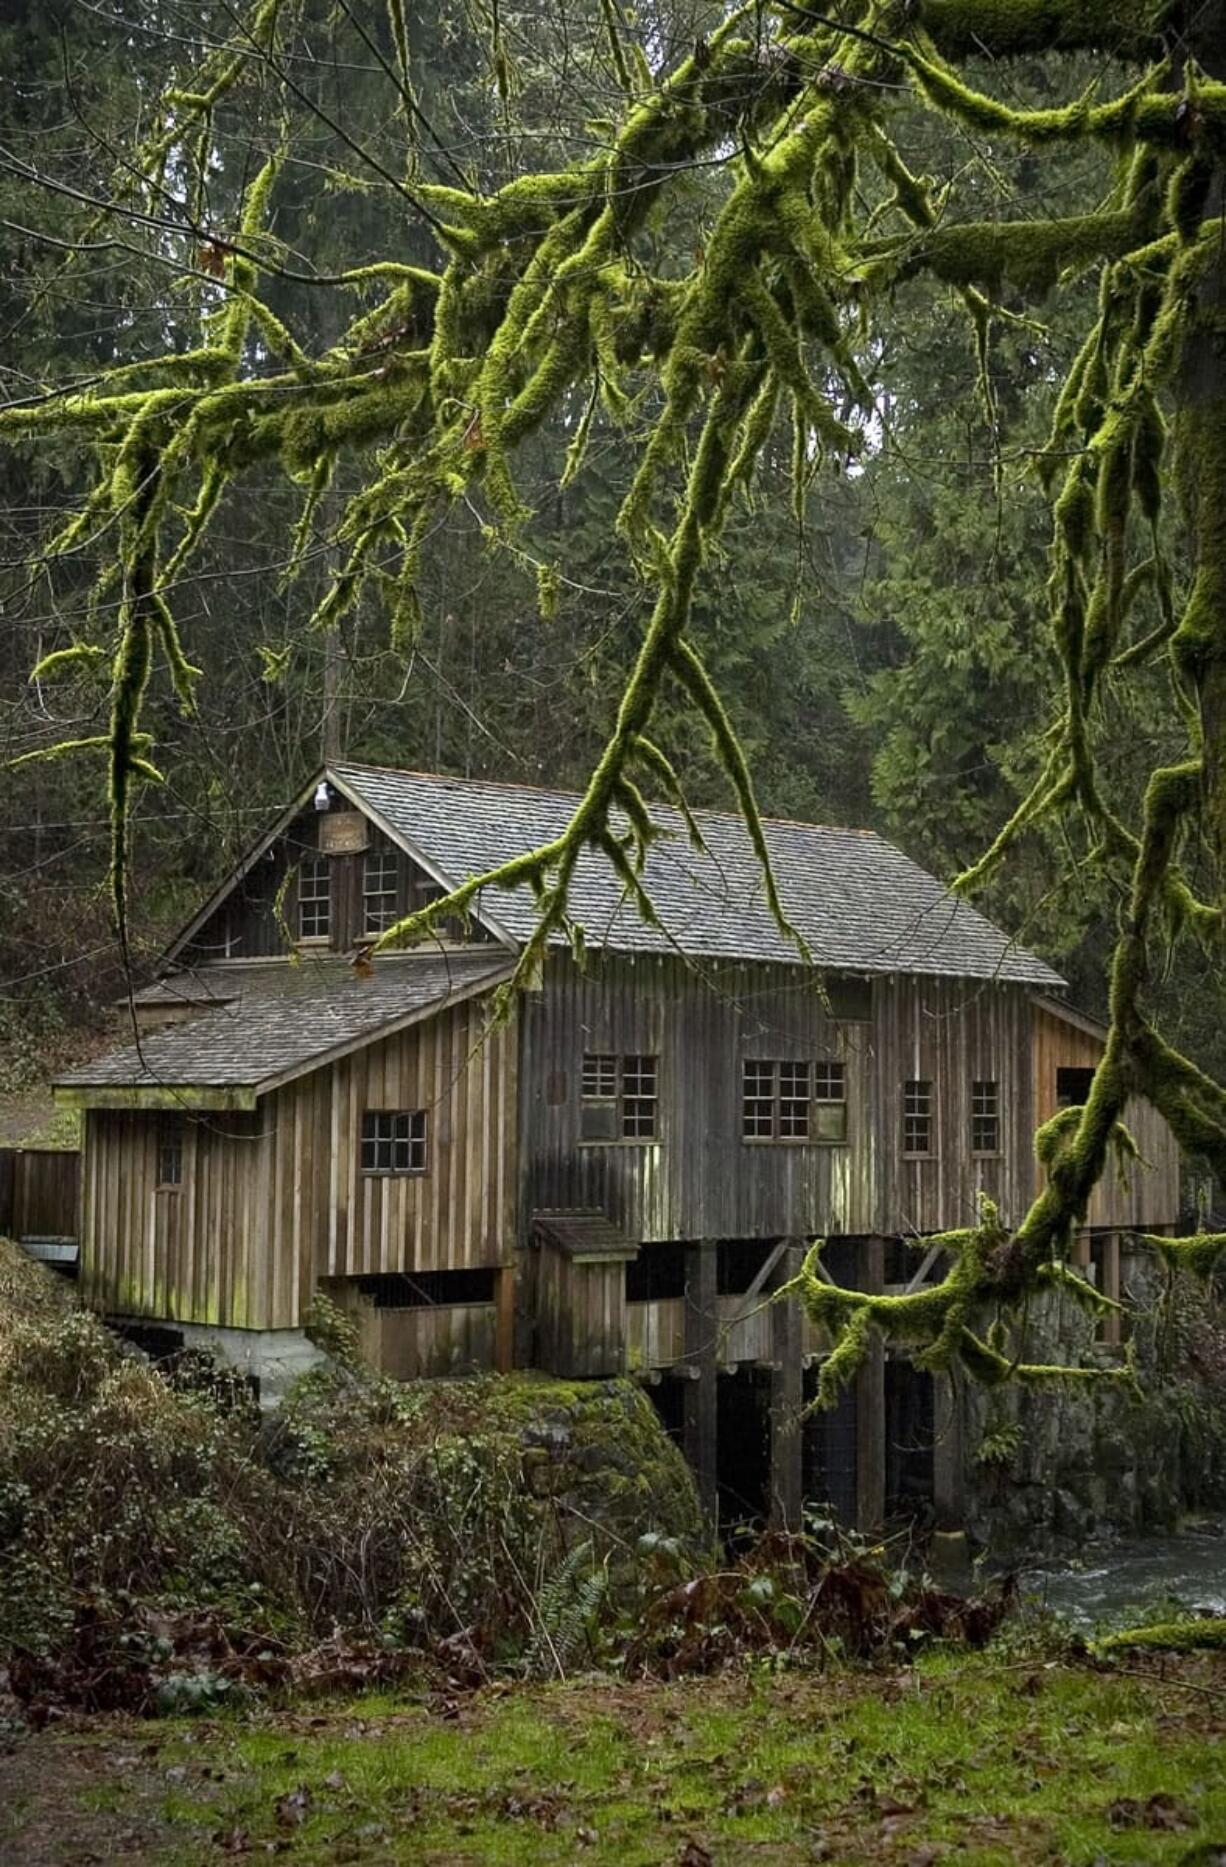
1115 1580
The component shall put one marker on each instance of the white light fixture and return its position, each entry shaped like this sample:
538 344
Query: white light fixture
323 797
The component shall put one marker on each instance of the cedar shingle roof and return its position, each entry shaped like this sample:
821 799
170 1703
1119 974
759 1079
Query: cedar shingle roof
274 1020
859 902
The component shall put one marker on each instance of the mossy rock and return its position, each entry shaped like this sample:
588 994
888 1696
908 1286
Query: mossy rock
596 1450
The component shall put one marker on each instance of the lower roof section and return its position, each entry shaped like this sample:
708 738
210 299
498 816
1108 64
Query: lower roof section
249 1029
584 1233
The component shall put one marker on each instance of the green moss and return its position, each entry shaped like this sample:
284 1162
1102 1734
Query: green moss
1188 1636
1022 28
1028 254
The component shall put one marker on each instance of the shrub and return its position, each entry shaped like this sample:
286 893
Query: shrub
135 1499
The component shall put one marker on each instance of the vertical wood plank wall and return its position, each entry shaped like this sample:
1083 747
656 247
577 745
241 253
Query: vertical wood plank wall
273 1200
950 1033
1146 1195
699 1179
330 1220
40 1190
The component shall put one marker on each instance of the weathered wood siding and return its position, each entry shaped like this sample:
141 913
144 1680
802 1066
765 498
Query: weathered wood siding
197 1252
1148 1195
274 1200
40 1192
421 1343
951 1033
580 1316
246 925
329 1219
697 1179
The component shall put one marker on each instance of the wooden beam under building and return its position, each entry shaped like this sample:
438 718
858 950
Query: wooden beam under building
700 1421
787 1397
948 1489
870 1406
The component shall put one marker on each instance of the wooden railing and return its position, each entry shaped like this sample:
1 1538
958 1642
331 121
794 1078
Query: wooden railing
655 1332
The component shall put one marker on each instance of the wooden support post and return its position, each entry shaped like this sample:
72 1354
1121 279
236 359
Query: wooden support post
504 1320
870 1407
948 1493
787 1400
1112 1334
700 1429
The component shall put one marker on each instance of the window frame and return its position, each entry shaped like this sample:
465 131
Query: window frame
786 1092
1065 1099
170 1143
416 1135
980 1088
314 866
388 893
627 1084
915 1089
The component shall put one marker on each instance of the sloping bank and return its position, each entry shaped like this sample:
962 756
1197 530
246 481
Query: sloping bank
148 1523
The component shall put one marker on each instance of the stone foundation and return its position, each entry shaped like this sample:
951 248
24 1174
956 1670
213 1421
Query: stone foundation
272 1358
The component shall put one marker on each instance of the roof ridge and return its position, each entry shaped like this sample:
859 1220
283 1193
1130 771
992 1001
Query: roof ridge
699 811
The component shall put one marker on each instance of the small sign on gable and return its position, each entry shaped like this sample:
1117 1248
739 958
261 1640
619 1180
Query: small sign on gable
343 833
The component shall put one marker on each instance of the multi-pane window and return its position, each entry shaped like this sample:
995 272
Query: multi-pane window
620 1098
793 1113
170 1153
917 1117
378 890
314 898
394 1141
793 1100
985 1118
639 1098
758 1100
830 1101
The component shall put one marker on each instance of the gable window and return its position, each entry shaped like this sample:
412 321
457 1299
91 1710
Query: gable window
379 890
917 1117
985 1118
619 1098
170 1154
394 1141
793 1100
314 898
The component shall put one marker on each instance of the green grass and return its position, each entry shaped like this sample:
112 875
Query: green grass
961 1758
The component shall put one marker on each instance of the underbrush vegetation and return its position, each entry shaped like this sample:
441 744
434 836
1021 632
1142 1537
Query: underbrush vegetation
155 1527
164 1546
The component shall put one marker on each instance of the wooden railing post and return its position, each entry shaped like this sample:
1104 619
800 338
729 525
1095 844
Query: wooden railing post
504 1320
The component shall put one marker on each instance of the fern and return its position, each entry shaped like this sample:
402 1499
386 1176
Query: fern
566 1608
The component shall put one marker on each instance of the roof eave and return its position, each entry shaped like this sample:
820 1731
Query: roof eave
167 1097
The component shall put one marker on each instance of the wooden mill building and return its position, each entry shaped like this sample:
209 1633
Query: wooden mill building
614 1177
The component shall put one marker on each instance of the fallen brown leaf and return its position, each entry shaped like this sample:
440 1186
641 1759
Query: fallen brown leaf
292 1809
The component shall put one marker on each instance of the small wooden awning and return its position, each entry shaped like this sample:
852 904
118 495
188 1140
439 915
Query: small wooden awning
590 1236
